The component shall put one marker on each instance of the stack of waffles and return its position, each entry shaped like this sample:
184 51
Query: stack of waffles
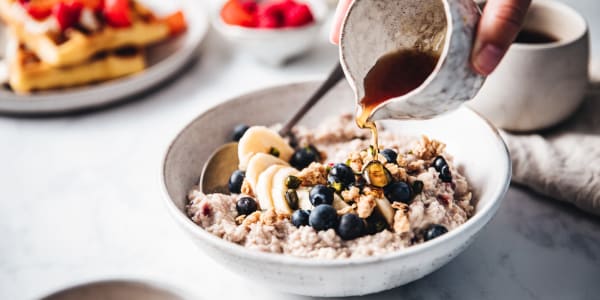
64 43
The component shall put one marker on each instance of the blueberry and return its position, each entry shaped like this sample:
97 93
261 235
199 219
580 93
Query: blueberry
398 192
434 231
390 155
342 174
438 163
304 156
235 181
245 206
445 174
417 187
320 194
323 217
375 223
350 227
238 131
300 217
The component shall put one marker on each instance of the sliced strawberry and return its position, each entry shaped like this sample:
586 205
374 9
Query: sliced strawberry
298 15
38 13
234 13
38 9
95 5
117 13
176 23
67 13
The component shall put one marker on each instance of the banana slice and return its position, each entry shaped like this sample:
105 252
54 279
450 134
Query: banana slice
259 163
339 203
304 199
260 139
279 189
386 210
264 186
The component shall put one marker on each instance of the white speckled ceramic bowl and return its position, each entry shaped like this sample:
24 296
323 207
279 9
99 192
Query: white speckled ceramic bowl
478 150
372 29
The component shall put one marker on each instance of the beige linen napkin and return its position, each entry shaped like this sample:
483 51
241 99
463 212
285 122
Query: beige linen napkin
563 162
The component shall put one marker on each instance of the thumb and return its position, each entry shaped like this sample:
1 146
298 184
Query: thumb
497 29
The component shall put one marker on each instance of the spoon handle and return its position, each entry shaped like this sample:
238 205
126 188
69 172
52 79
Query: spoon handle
334 77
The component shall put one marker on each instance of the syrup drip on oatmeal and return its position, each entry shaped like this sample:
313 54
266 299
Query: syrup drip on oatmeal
393 75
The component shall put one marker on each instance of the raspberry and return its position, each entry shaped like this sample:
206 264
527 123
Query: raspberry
298 15
272 14
250 6
269 21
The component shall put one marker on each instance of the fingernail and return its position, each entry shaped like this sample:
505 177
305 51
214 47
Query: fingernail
488 58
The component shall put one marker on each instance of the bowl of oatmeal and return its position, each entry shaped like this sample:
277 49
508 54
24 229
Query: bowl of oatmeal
325 213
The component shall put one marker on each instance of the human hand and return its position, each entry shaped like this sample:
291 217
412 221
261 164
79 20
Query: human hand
497 29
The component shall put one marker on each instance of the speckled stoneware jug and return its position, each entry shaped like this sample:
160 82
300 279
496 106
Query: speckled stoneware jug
373 28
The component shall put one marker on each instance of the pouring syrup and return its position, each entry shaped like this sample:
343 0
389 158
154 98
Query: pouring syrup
393 75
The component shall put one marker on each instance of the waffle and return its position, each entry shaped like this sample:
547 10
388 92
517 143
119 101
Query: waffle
76 46
28 73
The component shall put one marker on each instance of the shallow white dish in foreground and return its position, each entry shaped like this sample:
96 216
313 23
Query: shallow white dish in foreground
478 150
163 61
118 289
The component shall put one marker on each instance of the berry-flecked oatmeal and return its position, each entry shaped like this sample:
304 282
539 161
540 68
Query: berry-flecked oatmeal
333 195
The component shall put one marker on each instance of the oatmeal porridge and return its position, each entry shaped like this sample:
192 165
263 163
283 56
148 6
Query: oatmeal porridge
332 196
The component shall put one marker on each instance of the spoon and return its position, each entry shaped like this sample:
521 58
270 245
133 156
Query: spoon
224 161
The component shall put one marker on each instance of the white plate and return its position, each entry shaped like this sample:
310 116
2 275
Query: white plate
163 61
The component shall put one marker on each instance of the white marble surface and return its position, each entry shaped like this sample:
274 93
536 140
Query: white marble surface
79 200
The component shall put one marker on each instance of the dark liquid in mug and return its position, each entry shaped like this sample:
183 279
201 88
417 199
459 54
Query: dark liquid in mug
530 36
393 75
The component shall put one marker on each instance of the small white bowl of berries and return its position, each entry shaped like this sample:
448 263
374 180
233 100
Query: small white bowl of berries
273 31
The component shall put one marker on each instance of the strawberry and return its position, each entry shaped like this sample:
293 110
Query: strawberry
298 15
176 22
235 13
38 13
117 13
95 5
67 13
38 10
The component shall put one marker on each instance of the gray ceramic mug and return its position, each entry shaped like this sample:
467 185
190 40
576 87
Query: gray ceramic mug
373 28
538 85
